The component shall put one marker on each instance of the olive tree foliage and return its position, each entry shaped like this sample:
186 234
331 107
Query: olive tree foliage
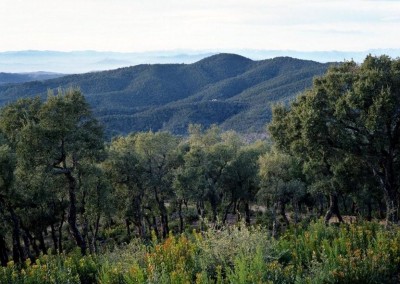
157 153
353 111
127 178
205 165
95 201
55 142
281 183
14 118
141 167
7 165
240 182
155 175
218 172
69 137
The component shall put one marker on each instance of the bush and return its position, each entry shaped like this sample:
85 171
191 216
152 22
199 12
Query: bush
357 253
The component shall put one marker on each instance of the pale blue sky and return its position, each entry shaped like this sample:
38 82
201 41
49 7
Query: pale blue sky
146 25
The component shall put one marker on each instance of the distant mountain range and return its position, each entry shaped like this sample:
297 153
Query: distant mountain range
227 89
10 78
88 61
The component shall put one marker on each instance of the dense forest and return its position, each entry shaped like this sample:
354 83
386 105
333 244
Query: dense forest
225 89
209 207
13 78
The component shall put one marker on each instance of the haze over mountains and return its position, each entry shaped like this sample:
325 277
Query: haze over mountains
9 78
227 89
87 61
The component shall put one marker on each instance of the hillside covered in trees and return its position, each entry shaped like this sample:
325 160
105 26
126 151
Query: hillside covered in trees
12 78
155 207
225 89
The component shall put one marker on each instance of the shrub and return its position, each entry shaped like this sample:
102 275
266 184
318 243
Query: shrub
357 253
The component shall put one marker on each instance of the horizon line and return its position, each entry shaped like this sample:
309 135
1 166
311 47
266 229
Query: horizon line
223 50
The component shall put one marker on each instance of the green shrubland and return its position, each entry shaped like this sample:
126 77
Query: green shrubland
349 253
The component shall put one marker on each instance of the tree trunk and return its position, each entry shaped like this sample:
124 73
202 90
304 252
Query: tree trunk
247 212
27 243
60 246
3 251
282 209
138 216
200 209
236 210
32 242
141 226
275 224
180 216
150 224
85 233
381 209
154 226
72 214
90 240
214 213
296 211
163 213
226 212
18 252
320 205
164 221
96 232
128 228
392 208
54 237
42 244
387 179
369 211
354 208
333 208
344 204
391 196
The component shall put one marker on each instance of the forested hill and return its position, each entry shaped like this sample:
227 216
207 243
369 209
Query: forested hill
230 90
10 78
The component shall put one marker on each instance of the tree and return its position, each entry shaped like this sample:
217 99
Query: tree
126 175
95 201
352 111
157 156
64 136
207 159
281 182
13 118
7 166
241 182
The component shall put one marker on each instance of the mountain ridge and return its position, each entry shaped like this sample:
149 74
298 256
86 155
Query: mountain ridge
227 89
12 78
81 61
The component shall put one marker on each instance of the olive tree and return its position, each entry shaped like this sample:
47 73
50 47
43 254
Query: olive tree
352 111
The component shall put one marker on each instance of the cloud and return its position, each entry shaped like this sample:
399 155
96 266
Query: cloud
391 19
126 25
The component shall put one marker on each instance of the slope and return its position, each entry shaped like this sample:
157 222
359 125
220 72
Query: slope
226 89
12 78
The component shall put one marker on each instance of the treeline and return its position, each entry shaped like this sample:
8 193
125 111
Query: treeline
59 176
62 186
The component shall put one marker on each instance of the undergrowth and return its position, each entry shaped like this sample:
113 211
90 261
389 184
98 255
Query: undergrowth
356 253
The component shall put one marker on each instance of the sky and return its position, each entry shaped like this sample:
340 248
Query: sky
152 25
